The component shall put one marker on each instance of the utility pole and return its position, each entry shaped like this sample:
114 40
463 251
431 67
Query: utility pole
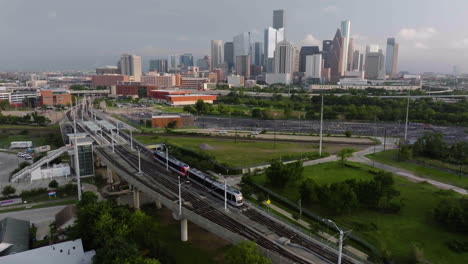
77 162
131 140
340 248
300 208
139 161
321 129
167 158
225 195
385 139
406 123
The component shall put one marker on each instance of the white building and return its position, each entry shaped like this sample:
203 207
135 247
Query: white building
161 81
346 34
271 38
236 80
284 78
284 57
70 252
314 66
130 65
58 170
217 53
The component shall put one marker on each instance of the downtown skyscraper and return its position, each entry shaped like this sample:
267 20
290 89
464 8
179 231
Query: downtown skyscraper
130 65
217 53
346 35
391 57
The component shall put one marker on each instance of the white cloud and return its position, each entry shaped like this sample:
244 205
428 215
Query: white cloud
417 33
460 44
310 40
420 45
330 9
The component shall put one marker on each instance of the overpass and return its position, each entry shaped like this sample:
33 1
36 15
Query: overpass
280 241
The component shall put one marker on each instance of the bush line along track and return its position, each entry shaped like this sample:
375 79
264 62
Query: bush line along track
204 209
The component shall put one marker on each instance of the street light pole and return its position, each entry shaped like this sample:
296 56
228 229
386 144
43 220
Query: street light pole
406 124
139 161
131 140
321 129
225 195
167 158
340 249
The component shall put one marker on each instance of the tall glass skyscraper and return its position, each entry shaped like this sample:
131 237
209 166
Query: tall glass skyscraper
345 34
391 57
278 19
271 38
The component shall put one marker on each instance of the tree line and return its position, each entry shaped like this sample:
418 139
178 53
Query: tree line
32 118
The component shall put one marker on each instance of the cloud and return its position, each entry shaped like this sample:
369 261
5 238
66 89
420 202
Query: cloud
420 45
330 9
310 40
460 44
417 33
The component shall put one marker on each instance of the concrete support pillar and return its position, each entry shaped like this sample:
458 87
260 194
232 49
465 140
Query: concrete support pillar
110 180
183 230
158 204
136 198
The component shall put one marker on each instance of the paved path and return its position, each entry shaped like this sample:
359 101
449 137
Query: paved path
360 157
41 218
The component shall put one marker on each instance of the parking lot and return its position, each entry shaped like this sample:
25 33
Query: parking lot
8 162
415 130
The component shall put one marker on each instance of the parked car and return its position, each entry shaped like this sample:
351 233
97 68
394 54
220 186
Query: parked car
20 154
255 133
27 157
222 132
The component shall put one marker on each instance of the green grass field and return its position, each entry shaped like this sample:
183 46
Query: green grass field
242 153
390 157
38 135
393 233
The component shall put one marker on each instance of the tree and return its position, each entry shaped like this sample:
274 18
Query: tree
344 154
452 214
53 184
279 173
431 145
308 191
348 133
199 105
190 109
406 152
8 190
245 252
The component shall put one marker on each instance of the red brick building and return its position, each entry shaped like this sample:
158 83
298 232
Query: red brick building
56 97
181 97
108 80
134 89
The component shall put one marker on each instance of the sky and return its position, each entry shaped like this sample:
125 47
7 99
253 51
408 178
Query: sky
81 35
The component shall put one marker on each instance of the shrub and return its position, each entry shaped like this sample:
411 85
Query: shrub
53 184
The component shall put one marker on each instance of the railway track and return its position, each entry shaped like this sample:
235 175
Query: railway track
206 210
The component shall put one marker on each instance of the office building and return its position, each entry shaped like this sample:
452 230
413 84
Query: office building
284 56
306 51
356 61
326 49
314 67
229 55
186 60
375 66
345 34
243 65
130 65
107 80
160 81
204 64
278 19
361 62
271 38
173 62
107 70
236 80
391 63
349 66
257 54
55 97
192 82
134 89
217 53
159 65
372 48
241 45
336 58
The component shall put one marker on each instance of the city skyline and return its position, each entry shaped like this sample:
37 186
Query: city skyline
60 39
